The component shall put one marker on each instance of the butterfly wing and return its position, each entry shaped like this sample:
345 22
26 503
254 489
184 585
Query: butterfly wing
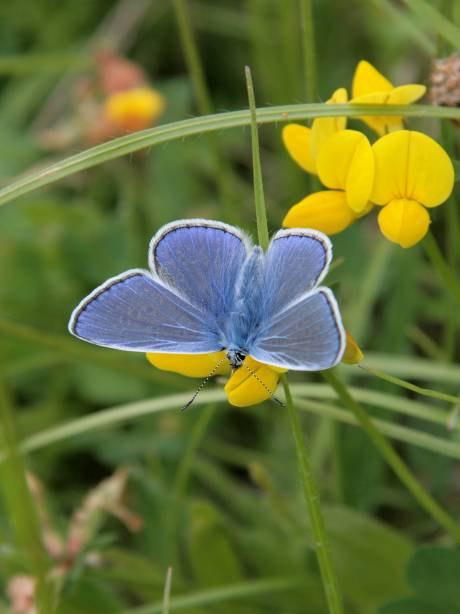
136 312
202 260
306 336
296 262
301 328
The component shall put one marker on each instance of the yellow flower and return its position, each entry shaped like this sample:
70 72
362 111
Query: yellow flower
304 144
411 172
353 353
371 87
345 164
244 387
252 383
135 109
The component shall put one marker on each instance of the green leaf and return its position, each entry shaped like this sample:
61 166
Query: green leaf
211 550
433 572
370 558
411 606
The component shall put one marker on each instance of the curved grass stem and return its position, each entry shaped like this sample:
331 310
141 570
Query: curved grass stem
426 392
404 473
130 143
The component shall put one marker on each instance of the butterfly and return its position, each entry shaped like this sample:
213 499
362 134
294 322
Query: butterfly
210 289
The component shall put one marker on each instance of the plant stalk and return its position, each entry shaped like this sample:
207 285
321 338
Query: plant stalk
308 48
322 549
400 468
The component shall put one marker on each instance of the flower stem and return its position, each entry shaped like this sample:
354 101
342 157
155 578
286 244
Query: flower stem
308 48
312 499
310 490
438 261
259 197
426 392
403 472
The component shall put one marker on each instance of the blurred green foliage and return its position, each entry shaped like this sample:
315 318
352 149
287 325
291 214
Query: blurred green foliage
239 519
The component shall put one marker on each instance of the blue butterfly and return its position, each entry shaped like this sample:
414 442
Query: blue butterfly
210 289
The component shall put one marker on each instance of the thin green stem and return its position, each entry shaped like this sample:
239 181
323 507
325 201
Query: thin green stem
192 57
222 594
259 197
308 48
425 441
426 392
400 468
312 499
203 100
430 16
438 261
167 592
311 492
112 417
21 506
199 125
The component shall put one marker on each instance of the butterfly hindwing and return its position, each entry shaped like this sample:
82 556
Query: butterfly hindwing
301 327
136 312
307 335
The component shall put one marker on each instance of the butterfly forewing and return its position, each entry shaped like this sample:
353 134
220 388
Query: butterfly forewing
202 260
136 312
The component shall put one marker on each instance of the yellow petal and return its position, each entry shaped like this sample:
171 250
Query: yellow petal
135 109
360 178
326 211
381 124
404 222
411 165
406 94
191 365
346 162
353 354
244 388
368 79
296 139
324 127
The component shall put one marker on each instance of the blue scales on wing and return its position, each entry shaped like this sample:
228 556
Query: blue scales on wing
302 328
178 308
136 312
202 260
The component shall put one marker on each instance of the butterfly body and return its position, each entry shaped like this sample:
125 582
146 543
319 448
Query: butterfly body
209 289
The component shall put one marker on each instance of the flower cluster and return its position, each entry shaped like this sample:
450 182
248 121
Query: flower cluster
404 172
252 383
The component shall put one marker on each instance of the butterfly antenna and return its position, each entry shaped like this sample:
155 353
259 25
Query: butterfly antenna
203 384
264 385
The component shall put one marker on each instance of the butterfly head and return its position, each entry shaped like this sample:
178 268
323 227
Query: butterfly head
236 358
